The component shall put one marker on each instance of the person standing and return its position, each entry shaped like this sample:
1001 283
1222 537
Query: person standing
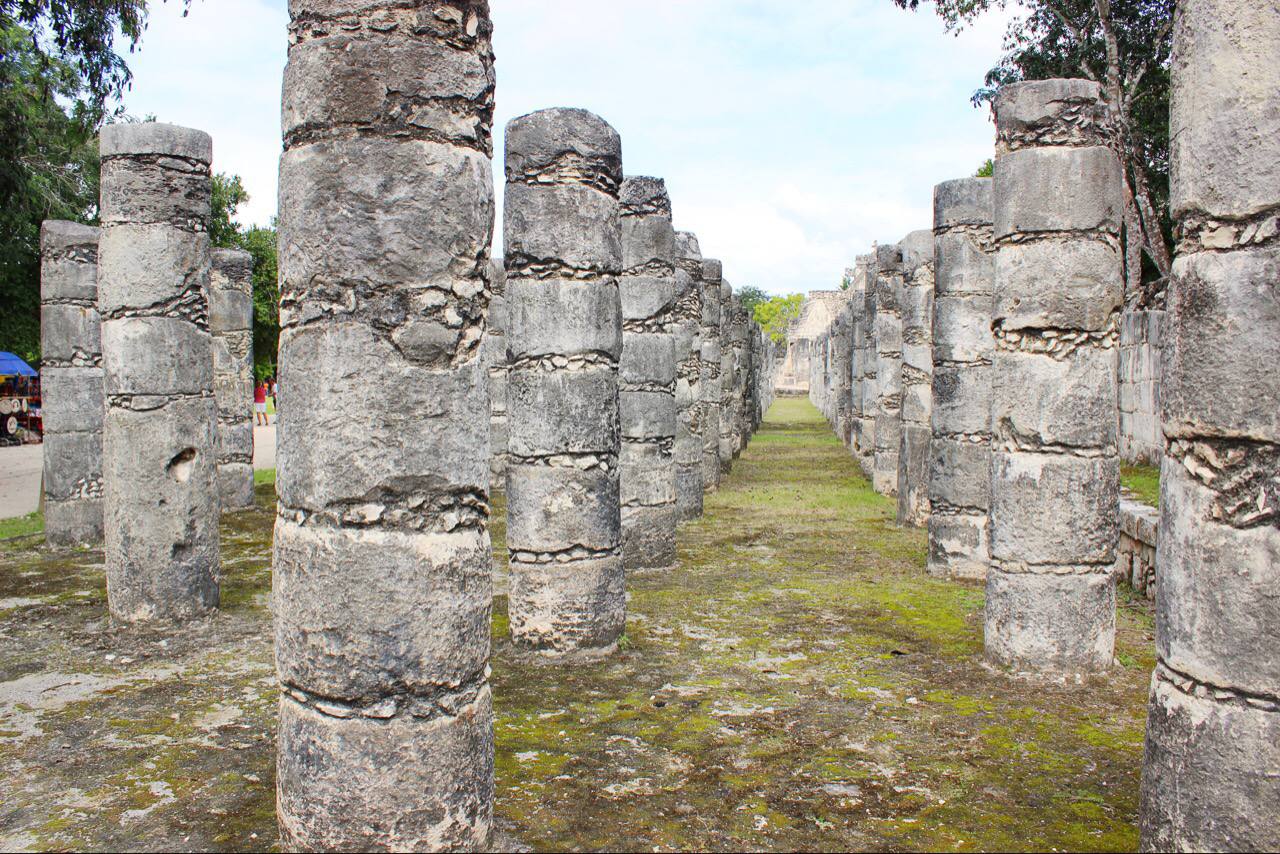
260 404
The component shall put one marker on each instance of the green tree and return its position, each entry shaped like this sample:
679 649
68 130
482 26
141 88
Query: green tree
986 170
48 170
1123 45
751 297
776 313
228 194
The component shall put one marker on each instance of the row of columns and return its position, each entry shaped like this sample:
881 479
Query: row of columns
983 360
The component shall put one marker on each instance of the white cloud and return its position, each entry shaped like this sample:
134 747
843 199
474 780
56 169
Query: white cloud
791 135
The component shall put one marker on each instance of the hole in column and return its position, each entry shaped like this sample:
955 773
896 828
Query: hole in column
179 467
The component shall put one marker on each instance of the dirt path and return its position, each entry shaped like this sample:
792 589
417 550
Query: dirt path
797 682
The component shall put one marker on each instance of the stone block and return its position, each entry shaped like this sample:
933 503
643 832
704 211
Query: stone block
960 473
1074 284
1054 509
963 201
958 545
647 414
1216 603
562 317
69 333
647 359
574 224
1050 190
78 396
555 508
575 606
962 328
562 412
1221 348
647 536
1048 622
415 609
1038 400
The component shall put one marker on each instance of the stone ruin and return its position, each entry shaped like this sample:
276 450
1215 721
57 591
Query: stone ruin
71 383
978 372
231 322
647 376
159 447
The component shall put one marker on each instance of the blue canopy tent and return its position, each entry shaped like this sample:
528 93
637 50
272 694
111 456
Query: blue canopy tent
11 365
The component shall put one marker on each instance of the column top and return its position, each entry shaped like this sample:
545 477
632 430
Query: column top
963 201
156 138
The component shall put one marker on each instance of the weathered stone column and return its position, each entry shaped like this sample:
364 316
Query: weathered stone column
493 347
728 378
859 335
738 334
563 256
711 377
1055 477
647 376
917 378
1209 780
870 377
960 455
159 452
689 414
382 565
842 368
71 383
888 344
231 322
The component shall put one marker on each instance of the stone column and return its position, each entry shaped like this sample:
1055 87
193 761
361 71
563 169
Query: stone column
917 378
231 322
739 332
493 347
888 321
689 414
858 356
870 379
960 455
1209 778
842 367
71 383
563 256
1055 477
728 378
382 561
711 377
647 376
159 452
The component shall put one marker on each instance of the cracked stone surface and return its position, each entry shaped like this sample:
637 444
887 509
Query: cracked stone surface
1055 472
159 447
1213 731
381 569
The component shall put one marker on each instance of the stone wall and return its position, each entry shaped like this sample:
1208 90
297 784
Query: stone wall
1136 553
1141 440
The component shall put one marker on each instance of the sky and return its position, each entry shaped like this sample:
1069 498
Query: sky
791 135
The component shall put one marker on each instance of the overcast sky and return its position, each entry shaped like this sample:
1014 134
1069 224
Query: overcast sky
791 134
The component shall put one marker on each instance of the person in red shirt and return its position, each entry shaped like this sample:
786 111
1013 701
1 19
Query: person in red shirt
260 404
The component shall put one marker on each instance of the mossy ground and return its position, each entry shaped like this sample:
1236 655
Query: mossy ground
796 682
1143 482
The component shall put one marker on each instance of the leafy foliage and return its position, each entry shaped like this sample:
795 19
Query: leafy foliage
986 170
1125 46
751 297
48 170
776 313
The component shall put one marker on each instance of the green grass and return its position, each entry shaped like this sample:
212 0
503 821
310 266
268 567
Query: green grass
18 526
261 476
1143 481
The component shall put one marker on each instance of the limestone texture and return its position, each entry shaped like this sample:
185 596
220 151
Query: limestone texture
159 449
381 571
647 375
888 385
1055 475
690 417
493 350
1213 728
231 323
563 256
71 383
960 453
917 378
712 379
728 379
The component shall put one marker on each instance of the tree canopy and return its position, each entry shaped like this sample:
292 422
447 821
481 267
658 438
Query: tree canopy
1125 46
776 313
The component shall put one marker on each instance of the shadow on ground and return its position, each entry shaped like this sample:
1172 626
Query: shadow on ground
797 682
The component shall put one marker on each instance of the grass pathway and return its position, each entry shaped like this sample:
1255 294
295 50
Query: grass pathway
796 682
